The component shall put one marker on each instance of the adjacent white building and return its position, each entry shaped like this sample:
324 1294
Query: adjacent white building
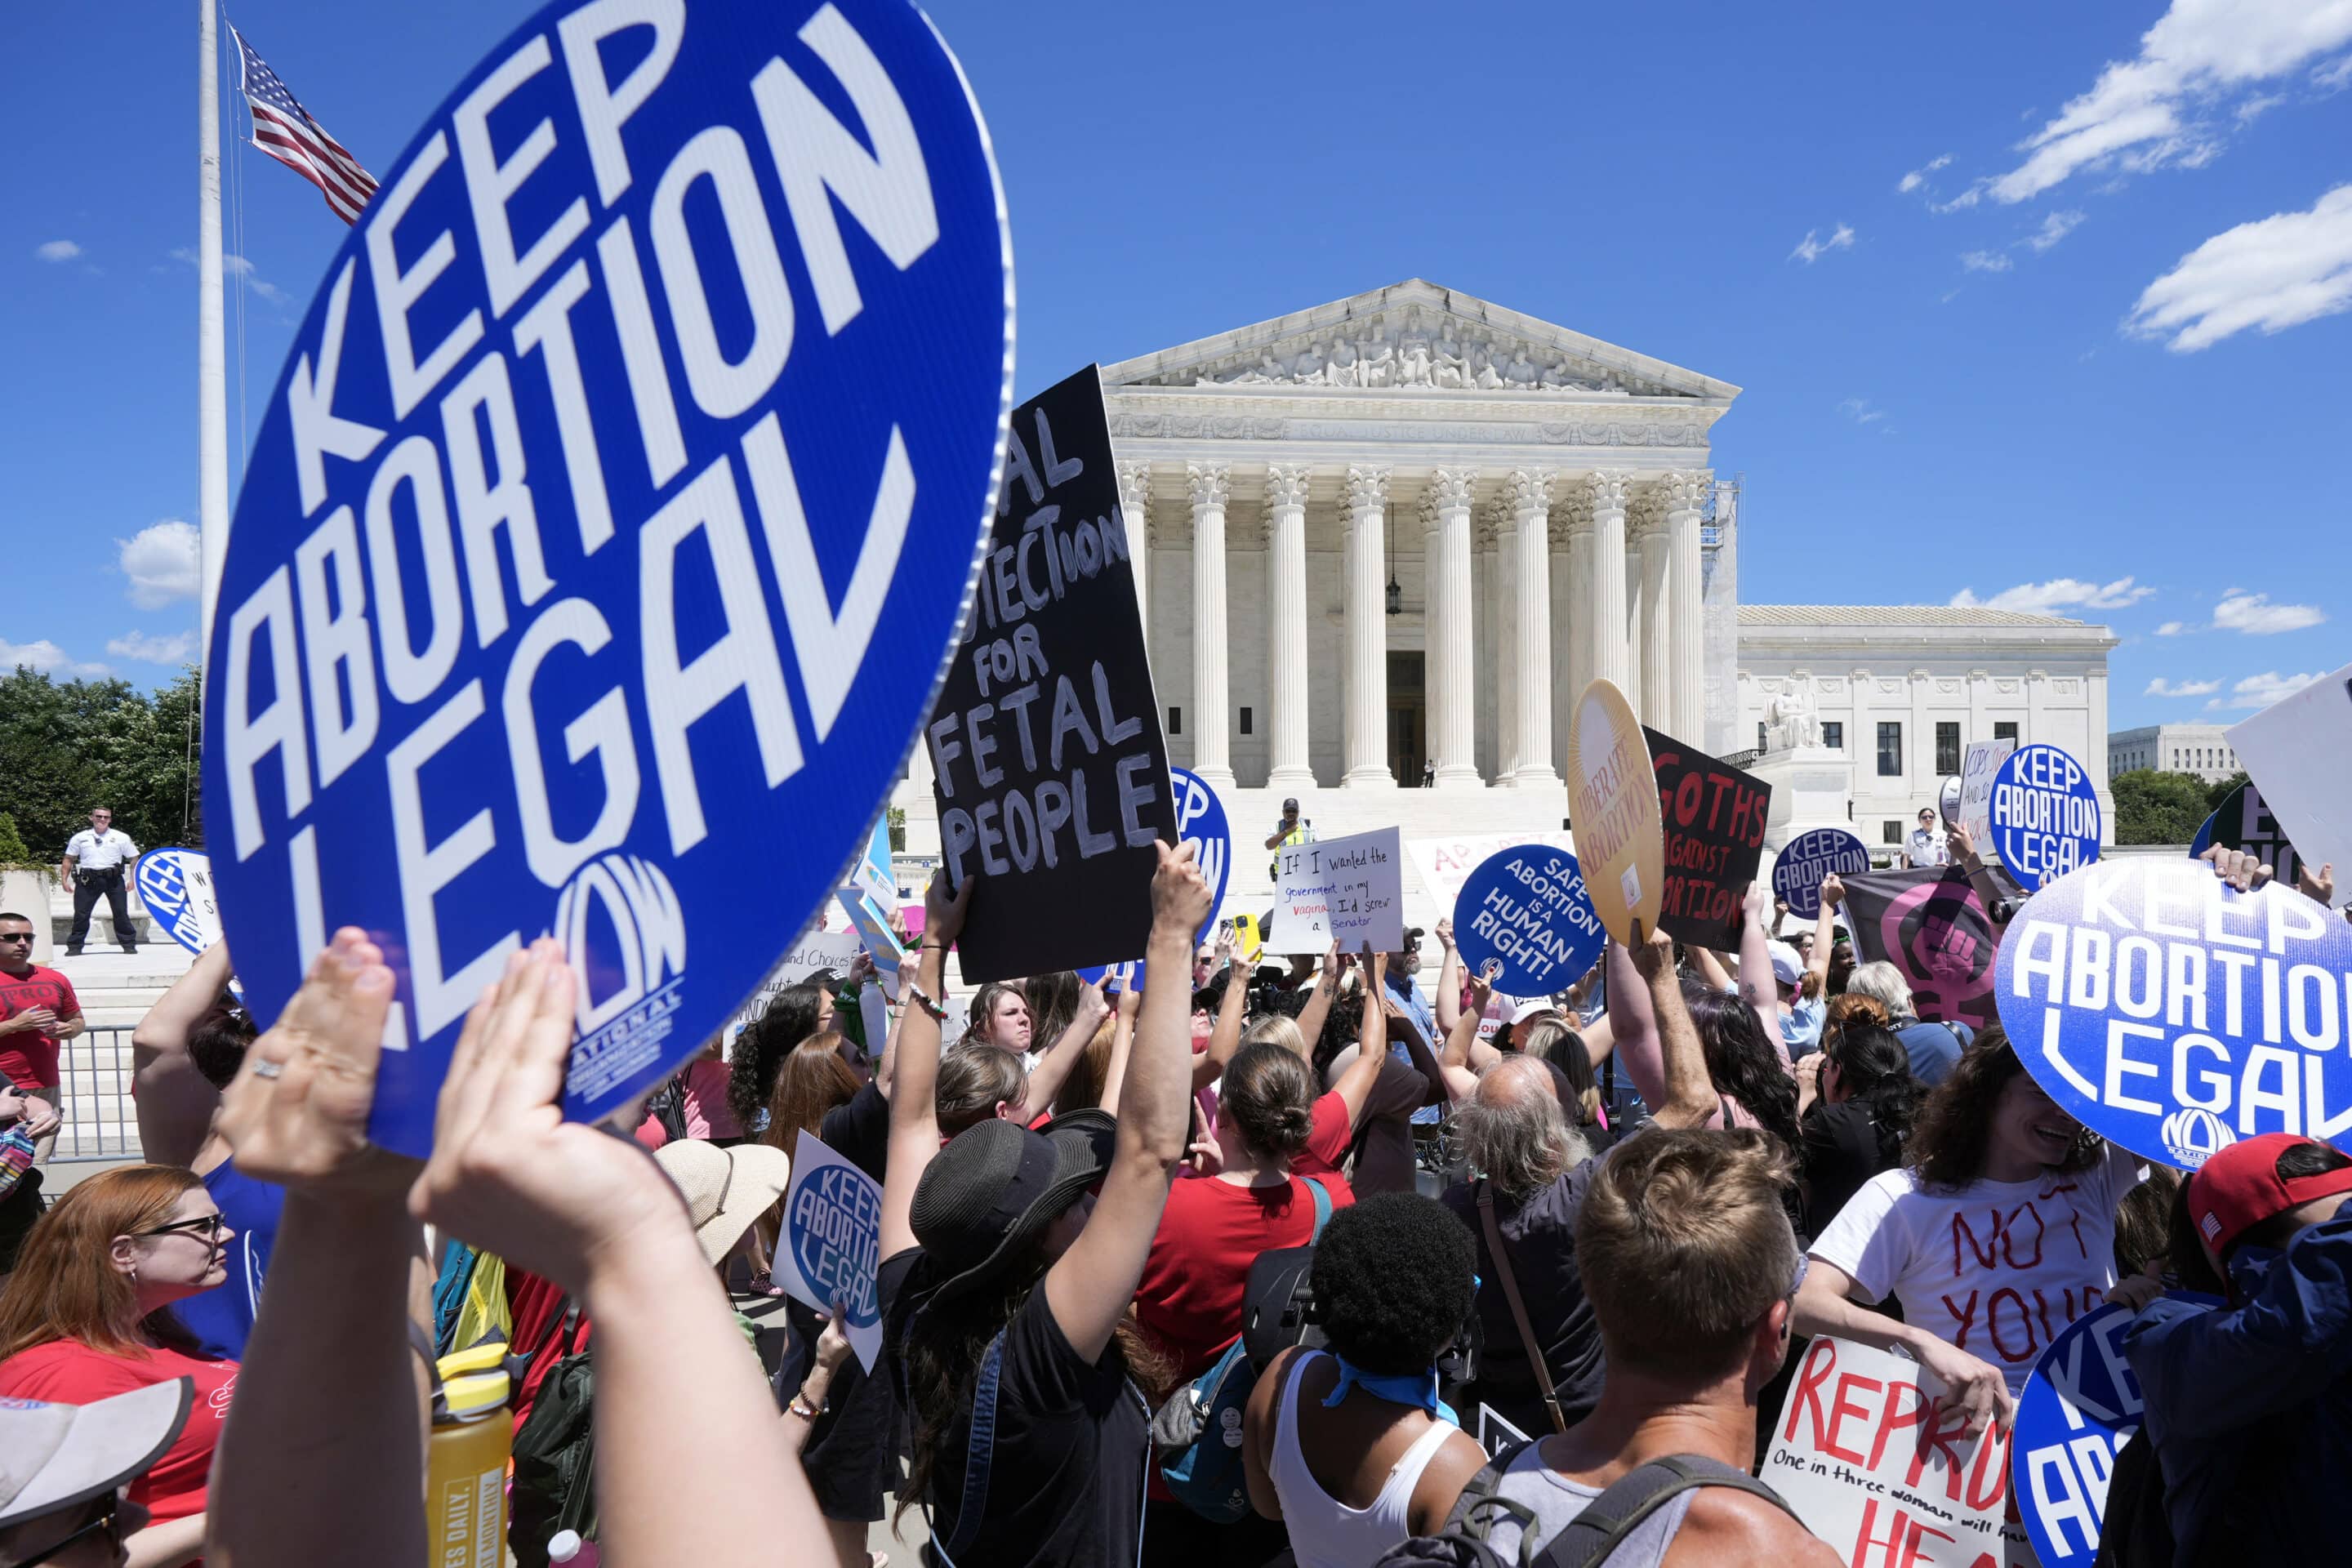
2201 749
1901 689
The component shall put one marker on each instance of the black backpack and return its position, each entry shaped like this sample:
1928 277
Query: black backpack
555 1451
1589 1540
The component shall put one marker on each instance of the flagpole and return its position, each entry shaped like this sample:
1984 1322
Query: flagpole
211 355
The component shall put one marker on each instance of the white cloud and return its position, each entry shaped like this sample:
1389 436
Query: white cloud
58 250
2171 628
162 562
175 649
47 657
2331 77
1918 176
1986 261
2159 687
2261 691
1812 246
2055 226
2059 592
2254 108
2144 113
2254 614
235 266
1859 410
2274 273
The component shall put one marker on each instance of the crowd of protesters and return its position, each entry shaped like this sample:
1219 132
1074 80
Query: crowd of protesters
1216 1273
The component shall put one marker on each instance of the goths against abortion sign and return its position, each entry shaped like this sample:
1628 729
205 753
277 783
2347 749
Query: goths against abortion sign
610 526
1046 755
2174 1016
1714 819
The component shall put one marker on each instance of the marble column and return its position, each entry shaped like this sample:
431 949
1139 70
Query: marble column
1686 498
1653 630
1530 624
1446 505
1135 510
1285 544
1572 558
1212 705
1604 584
1365 739
1506 612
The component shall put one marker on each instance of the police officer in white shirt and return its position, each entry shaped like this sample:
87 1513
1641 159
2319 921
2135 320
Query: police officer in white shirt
97 860
1927 846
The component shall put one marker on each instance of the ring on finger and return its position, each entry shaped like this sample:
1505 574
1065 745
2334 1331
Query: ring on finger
264 1067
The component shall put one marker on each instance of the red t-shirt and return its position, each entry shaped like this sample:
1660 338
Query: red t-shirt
1326 1143
1190 1297
66 1371
30 1060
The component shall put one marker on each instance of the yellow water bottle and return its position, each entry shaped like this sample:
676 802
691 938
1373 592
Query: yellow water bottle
466 1463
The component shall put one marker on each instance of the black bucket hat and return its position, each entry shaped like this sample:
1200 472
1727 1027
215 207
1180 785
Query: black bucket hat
997 1185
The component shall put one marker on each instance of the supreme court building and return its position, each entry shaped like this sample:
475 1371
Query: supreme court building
1392 537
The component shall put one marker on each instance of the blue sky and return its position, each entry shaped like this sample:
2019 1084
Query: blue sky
2040 305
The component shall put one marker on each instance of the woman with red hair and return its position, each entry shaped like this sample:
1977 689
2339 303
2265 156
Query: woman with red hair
86 1316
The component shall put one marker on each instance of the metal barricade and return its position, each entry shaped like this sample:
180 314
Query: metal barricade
101 1121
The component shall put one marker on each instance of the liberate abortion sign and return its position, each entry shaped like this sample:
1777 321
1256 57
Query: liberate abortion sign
2174 1016
611 524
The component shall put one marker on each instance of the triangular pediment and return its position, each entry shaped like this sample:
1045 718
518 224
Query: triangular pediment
1416 336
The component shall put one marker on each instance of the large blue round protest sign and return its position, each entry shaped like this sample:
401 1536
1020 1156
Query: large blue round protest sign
1810 858
1200 824
833 1220
2080 1407
175 889
1526 909
2164 1011
608 533
2044 815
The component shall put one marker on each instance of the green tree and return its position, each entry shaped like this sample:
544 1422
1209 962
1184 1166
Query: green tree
2218 793
67 746
11 845
2154 807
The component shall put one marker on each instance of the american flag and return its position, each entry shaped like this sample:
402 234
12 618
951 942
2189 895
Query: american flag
284 129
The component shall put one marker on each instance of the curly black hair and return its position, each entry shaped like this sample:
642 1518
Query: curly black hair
1394 1278
1742 1062
759 1053
1877 1071
1952 1130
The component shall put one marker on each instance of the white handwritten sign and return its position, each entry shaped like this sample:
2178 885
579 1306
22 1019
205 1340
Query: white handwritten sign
1350 890
1445 864
815 950
1867 1462
1978 770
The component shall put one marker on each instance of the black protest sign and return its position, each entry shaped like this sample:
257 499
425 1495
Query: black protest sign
2244 822
1714 819
1047 760
1928 923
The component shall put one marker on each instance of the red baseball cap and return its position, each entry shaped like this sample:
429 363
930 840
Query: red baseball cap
2239 1188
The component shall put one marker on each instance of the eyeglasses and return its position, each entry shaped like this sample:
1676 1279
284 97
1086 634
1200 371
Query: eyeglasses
207 1226
108 1506
24 936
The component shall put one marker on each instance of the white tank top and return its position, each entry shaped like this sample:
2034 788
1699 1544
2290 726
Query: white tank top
1324 1532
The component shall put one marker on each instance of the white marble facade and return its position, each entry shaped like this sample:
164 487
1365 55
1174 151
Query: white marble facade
1924 680
1543 504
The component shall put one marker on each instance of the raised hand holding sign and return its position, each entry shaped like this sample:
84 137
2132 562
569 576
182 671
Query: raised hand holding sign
608 530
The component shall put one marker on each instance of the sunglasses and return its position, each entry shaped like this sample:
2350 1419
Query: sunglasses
207 1226
104 1520
24 936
